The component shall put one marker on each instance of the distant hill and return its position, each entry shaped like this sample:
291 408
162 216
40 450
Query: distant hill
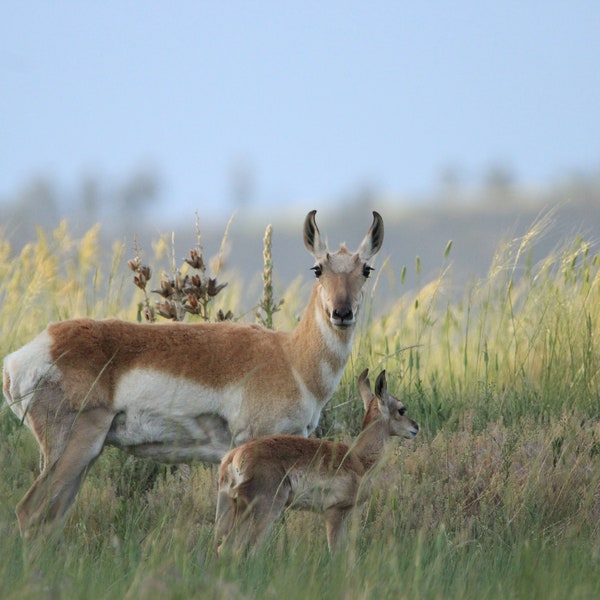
476 223
476 233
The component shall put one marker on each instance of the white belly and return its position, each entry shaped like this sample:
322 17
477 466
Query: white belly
172 420
171 439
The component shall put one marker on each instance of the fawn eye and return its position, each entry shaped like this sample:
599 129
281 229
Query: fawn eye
367 270
402 411
318 271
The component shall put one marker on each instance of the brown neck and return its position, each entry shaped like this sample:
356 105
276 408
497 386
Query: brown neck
319 352
371 441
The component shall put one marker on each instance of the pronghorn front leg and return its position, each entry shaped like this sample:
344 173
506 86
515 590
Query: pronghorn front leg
335 521
53 492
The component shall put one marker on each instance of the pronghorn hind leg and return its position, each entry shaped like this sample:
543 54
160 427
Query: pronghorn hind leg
260 517
225 519
232 526
51 421
53 492
251 519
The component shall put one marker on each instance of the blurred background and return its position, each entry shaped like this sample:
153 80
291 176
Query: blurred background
460 121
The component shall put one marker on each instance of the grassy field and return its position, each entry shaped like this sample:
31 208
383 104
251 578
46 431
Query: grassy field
498 497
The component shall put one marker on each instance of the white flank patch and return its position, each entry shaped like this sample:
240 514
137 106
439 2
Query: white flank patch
147 390
176 415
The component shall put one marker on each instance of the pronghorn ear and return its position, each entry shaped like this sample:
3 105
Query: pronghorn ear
381 387
383 400
371 245
312 237
364 388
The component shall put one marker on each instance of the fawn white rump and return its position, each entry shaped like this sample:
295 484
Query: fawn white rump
263 476
179 392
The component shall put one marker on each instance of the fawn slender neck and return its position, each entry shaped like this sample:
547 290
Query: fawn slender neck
371 441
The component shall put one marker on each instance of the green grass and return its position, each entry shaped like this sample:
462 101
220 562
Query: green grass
498 497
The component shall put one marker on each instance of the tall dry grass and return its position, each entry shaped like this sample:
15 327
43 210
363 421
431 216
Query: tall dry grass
498 497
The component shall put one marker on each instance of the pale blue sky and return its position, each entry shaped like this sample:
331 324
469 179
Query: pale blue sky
316 98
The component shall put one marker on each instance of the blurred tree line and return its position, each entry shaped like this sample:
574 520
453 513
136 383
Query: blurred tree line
499 186
131 206
121 206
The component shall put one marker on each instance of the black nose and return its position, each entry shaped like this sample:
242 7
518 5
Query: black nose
343 314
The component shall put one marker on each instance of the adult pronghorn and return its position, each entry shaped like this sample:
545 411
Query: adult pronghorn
181 392
258 479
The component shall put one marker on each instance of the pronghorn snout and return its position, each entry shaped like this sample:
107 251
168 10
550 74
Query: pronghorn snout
342 317
413 429
342 311
408 429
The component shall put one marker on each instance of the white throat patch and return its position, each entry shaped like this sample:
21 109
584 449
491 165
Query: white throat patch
339 348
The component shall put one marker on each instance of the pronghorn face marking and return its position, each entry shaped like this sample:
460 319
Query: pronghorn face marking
400 424
342 275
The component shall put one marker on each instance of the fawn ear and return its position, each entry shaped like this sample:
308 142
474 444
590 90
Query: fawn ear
364 388
381 386
381 394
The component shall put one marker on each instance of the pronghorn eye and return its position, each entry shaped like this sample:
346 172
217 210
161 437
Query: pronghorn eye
367 270
317 269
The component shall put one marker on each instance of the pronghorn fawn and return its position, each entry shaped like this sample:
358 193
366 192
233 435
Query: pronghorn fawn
180 392
263 476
